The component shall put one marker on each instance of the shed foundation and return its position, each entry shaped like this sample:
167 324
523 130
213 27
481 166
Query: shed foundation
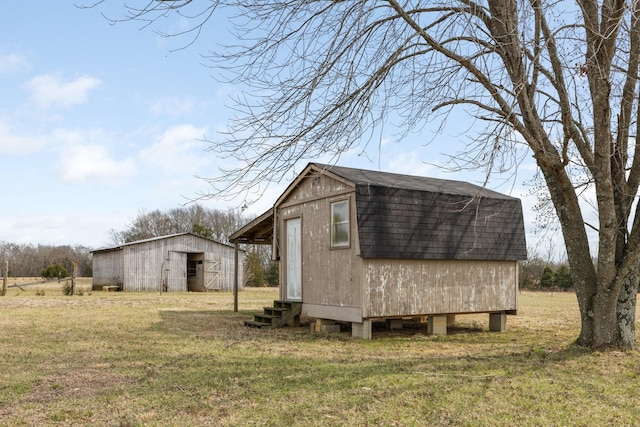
437 325
498 322
393 324
361 330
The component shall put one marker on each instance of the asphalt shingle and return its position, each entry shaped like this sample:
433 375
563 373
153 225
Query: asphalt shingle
412 217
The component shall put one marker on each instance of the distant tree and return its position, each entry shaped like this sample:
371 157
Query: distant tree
273 274
210 223
27 260
203 231
54 271
563 278
254 271
547 279
531 269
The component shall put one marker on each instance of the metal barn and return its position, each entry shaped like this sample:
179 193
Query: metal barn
175 263
361 246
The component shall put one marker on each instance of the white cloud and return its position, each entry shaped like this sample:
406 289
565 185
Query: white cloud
68 228
71 137
16 144
178 149
173 106
85 162
410 163
12 62
49 91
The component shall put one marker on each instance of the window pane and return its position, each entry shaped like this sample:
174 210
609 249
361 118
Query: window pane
340 212
341 233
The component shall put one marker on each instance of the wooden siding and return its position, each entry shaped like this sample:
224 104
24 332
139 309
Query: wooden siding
161 264
329 276
177 273
146 268
424 287
313 187
109 269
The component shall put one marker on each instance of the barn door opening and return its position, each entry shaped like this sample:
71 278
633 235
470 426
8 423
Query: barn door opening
294 259
203 272
195 272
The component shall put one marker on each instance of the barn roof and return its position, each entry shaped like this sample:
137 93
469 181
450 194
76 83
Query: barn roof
137 242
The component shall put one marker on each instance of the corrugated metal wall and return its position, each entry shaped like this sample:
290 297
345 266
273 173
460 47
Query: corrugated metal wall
108 269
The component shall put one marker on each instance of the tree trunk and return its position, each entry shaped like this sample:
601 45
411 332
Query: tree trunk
605 321
626 313
585 304
608 321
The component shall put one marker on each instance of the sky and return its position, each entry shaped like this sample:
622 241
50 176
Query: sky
100 122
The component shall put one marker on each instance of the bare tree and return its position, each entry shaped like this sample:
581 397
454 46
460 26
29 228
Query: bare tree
218 224
558 79
29 260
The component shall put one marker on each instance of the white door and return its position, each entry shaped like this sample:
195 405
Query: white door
294 259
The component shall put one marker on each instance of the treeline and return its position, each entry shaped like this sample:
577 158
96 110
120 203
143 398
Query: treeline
31 260
211 223
539 272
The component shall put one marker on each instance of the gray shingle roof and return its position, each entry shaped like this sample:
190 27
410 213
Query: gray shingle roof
412 217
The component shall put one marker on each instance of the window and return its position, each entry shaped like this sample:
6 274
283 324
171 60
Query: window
340 224
192 268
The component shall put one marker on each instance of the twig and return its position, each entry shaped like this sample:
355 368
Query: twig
473 377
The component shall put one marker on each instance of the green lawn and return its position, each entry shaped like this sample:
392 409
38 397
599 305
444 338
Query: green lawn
119 359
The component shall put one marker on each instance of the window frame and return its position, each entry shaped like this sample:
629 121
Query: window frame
333 224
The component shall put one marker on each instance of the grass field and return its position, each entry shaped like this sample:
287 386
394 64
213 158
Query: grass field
118 359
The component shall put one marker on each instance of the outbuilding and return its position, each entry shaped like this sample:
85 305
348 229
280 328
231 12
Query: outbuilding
361 246
174 263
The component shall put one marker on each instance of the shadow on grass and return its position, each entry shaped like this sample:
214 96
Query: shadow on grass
514 344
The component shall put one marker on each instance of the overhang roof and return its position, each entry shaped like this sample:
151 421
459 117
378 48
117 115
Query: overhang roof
258 232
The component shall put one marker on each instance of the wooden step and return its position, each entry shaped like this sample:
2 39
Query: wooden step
282 313
275 311
265 318
254 324
290 305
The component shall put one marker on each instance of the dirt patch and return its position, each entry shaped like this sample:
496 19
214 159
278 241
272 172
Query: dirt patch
74 384
80 385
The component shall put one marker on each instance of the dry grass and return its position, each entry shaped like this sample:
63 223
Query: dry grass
26 286
123 359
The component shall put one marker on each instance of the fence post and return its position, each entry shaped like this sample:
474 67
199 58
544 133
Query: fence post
236 270
74 272
6 277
